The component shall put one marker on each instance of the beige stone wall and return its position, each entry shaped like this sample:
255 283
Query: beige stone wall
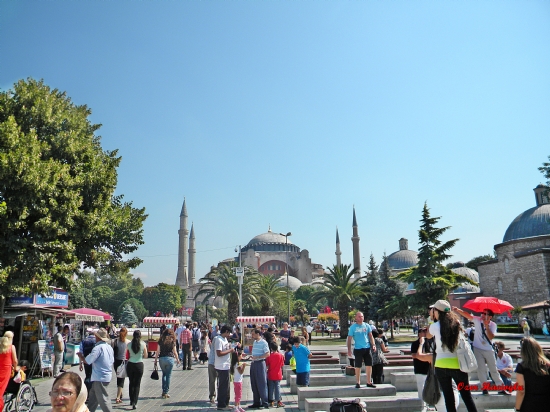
524 279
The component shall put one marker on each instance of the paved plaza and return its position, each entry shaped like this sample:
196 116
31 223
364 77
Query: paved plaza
189 389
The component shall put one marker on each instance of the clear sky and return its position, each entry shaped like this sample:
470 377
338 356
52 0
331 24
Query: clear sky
290 112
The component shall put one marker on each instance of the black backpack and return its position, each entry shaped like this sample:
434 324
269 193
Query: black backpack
340 405
471 335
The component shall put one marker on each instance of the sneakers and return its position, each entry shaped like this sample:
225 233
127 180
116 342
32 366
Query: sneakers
271 404
280 404
212 399
357 386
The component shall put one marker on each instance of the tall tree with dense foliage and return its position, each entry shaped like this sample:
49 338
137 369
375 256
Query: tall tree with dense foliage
474 262
222 281
384 291
432 280
340 287
370 281
269 293
58 208
162 297
305 293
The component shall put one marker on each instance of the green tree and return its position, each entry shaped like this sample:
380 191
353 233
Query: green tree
300 309
432 280
128 317
269 293
162 297
222 281
545 170
305 293
474 262
370 281
384 291
137 307
340 287
58 207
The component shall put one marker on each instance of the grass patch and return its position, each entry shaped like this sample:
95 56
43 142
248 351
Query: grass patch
328 341
401 339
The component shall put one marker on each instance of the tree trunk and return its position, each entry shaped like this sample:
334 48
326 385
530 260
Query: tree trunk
232 312
344 327
391 328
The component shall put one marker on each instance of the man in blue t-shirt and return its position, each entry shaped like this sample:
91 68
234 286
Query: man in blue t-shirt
361 333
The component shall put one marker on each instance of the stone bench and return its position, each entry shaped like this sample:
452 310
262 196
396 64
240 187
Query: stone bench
324 361
342 392
343 355
287 374
382 403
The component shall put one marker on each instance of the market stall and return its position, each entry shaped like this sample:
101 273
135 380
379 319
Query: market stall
151 322
80 318
246 332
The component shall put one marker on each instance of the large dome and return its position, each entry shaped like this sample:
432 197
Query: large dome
271 242
268 237
461 269
532 222
403 258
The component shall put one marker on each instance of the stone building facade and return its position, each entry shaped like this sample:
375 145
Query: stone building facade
520 273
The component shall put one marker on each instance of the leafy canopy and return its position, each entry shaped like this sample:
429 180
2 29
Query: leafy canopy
58 209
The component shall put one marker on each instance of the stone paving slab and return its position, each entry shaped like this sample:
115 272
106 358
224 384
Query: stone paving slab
188 392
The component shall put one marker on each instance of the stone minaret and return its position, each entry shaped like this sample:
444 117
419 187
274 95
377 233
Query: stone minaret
181 279
338 252
355 241
192 252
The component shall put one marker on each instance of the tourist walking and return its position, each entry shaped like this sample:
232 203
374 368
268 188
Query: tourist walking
237 370
102 359
58 351
446 330
274 364
486 330
204 347
222 364
195 343
258 377
212 374
86 347
306 335
166 356
138 351
185 339
533 378
119 345
8 362
378 358
361 333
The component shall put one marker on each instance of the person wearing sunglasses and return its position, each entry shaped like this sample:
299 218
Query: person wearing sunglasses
486 330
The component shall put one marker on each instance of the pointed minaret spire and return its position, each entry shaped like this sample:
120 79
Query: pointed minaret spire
338 252
192 253
355 241
181 279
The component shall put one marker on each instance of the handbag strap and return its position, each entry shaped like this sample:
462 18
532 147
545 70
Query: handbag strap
484 334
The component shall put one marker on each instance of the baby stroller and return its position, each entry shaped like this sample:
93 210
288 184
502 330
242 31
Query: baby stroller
19 397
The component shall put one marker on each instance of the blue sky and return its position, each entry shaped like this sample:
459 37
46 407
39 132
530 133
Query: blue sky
289 113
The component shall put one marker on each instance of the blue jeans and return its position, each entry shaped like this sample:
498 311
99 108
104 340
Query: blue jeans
273 390
166 364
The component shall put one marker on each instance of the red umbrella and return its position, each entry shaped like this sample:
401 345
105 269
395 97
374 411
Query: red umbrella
88 311
486 302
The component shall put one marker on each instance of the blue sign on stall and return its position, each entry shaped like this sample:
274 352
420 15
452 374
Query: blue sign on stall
57 298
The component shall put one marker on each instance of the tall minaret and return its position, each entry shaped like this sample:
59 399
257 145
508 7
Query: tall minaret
181 279
355 241
338 253
192 252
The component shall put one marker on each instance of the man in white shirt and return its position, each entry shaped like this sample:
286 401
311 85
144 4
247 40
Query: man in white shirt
179 328
221 364
309 330
485 331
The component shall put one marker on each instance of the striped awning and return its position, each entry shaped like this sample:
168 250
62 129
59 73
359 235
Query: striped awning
158 321
256 319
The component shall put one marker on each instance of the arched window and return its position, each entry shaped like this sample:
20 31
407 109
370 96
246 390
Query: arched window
520 284
506 265
499 287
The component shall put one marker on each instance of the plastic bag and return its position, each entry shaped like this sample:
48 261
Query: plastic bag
121 370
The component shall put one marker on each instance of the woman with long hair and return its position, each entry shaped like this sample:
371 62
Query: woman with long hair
533 377
306 335
446 329
167 356
8 362
68 394
138 351
120 346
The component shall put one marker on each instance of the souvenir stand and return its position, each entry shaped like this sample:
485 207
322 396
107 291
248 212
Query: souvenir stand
151 322
78 326
246 332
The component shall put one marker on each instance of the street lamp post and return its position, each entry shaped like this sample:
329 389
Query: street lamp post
240 270
286 235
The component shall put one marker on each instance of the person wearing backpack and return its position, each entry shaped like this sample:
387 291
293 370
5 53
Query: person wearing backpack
195 344
486 330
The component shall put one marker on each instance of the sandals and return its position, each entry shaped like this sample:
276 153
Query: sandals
118 400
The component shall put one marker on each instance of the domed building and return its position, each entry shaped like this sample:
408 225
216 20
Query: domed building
404 258
520 273
270 253
460 268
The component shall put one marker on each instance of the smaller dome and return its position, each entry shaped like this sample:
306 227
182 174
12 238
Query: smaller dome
403 259
294 283
461 269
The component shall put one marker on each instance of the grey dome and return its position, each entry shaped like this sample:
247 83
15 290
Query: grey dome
268 237
461 269
532 222
403 259
271 242
294 283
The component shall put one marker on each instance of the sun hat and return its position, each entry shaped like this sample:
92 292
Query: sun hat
103 335
442 305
